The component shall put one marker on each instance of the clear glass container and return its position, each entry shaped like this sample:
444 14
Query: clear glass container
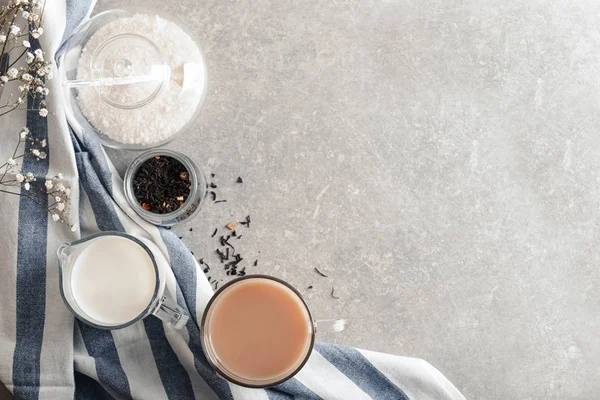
212 356
160 305
191 205
135 78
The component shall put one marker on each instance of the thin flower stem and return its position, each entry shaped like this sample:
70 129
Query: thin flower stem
14 107
18 58
4 45
39 204
6 163
17 194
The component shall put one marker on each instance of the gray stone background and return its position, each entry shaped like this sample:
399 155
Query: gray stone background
439 160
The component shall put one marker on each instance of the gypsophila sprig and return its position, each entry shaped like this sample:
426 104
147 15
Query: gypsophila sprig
18 61
15 181
25 65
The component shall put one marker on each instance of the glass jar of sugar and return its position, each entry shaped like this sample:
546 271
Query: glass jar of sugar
135 79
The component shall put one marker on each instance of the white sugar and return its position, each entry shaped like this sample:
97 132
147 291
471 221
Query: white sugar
166 114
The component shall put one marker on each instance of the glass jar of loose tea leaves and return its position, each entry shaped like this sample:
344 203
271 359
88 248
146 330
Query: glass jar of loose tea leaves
164 187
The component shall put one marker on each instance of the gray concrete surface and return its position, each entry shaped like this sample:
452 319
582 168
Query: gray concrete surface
439 160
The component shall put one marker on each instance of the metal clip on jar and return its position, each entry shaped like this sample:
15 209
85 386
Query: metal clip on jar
191 205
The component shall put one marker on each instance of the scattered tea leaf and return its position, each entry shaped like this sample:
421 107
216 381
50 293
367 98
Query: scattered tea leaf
246 222
333 293
320 273
240 180
214 233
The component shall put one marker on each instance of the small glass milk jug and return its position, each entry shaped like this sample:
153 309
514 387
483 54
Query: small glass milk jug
111 280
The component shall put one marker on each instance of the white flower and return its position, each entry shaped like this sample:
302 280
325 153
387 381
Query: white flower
39 53
59 175
40 31
49 185
29 176
27 186
20 100
20 178
57 199
67 192
35 17
12 73
25 14
2 38
43 112
4 78
26 78
43 155
29 57
26 43
60 206
22 88
45 91
48 68
60 187
14 29
35 34
39 89
24 132
43 143
12 162
55 217
73 227
35 152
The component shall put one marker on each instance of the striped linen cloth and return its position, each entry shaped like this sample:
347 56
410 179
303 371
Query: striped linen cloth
45 353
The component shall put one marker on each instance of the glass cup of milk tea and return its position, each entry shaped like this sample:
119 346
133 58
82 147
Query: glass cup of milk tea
257 331
111 280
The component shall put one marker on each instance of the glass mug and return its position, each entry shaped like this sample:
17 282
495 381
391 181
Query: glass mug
111 280
257 331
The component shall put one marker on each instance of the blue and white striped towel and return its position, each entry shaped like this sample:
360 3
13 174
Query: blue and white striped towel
45 353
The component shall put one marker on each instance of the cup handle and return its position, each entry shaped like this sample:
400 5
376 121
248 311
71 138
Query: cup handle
330 325
170 313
